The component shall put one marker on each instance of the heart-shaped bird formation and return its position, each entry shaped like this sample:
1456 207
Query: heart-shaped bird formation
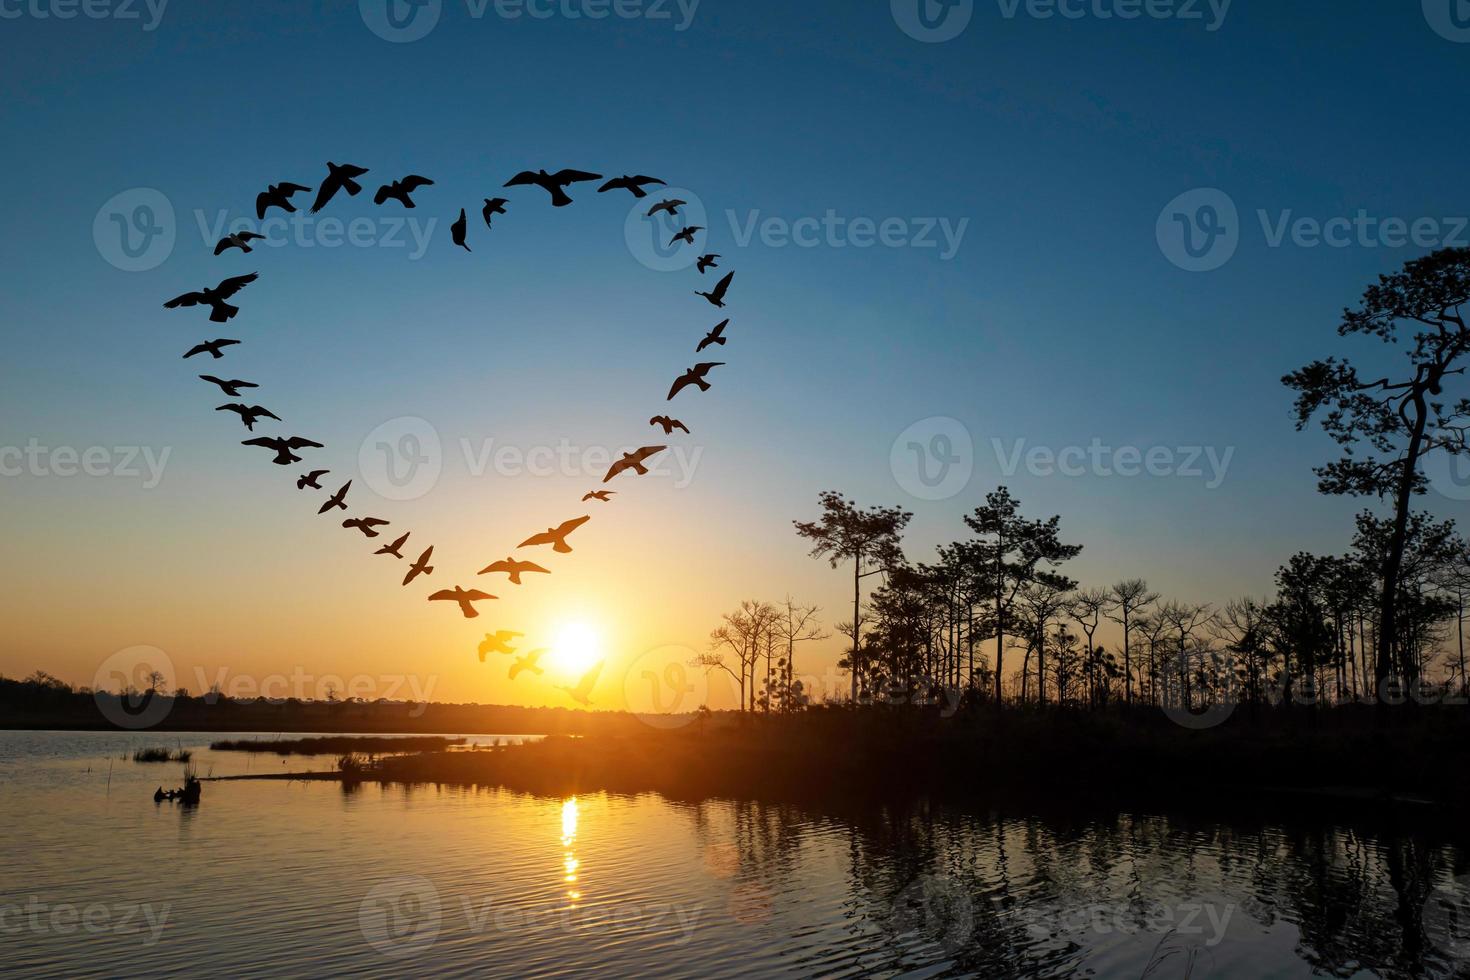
343 177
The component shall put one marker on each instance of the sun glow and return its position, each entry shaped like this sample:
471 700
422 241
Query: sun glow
577 649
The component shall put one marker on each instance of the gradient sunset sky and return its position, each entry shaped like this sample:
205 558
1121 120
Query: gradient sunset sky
1058 320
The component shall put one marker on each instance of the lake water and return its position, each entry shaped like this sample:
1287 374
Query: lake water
304 879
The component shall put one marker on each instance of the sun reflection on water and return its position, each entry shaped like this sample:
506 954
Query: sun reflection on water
569 862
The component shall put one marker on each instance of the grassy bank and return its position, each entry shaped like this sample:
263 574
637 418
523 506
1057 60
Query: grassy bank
337 745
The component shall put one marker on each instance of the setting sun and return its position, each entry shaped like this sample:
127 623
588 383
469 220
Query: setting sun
577 649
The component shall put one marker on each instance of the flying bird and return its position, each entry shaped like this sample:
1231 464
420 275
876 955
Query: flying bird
515 569
367 525
632 184
249 414
278 196
493 206
230 388
421 566
458 229
214 347
310 480
671 206
400 189
556 536
715 336
553 184
694 376
337 501
395 549
498 642
219 310
708 261
602 495
528 662
668 424
717 298
465 597
634 461
240 240
338 178
687 235
582 693
284 448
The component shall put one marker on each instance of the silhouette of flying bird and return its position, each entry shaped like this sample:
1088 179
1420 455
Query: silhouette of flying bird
284 448
337 501
633 184
602 495
338 178
278 196
556 536
634 461
219 310
400 189
687 235
553 184
367 525
708 261
671 206
582 693
528 662
493 206
230 388
717 297
715 336
249 413
240 240
395 549
694 376
310 480
214 347
498 642
465 597
515 569
421 566
458 229
668 424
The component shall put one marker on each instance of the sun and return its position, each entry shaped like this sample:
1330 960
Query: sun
577 648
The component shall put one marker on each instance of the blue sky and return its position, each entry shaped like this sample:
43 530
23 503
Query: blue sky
1054 143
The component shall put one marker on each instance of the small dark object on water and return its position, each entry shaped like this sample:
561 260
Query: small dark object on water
188 794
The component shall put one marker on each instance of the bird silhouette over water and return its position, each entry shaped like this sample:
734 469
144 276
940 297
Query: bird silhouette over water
553 184
498 642
715 336
582 693
528 662
395 549
339 178
694 376
219 310
213 347
337 501
399 190
515 569
230 388
671 206
421 566
240 240
708 261
458 229
669 425
278 196
633 184
717 297
465 597
687 235
601 495
311 480
556 536
285 448
249 414
493 206
634 461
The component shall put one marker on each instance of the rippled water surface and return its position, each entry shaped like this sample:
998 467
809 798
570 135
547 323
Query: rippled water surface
305 879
